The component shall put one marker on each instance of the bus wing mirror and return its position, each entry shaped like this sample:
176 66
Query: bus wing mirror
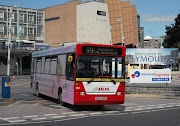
70 58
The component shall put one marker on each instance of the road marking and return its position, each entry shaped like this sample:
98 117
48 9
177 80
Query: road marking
70 119
149 108
162 104
127 81
57 106
15 103
69 112
137 109
25 123
127 110
95 113
15 121
139 112
112 111
129 107
30 116
78 115
170 106
55 117
151 105
141 106
19 84
10 118
25 94
155 110
39 119
159 107
50 114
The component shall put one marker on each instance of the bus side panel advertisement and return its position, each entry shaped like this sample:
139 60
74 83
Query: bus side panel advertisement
150 76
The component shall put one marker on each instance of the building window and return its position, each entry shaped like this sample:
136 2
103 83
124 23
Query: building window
21 18
30 31
21 31
12 16
30 19
12 30
1 30
1 16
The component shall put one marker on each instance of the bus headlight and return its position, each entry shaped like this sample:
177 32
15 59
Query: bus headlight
118 93
82 93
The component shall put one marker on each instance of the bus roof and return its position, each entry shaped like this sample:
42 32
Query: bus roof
59 50
70 49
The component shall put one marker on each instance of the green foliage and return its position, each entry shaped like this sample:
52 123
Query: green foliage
172 38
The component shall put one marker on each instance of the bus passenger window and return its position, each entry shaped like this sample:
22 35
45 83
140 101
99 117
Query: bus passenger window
47 65
38 67
53 65
70 65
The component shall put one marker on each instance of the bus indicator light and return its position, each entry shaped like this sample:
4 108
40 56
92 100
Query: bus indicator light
118 93
82 93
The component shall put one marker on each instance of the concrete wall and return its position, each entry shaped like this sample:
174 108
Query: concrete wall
152 43
169 91
64 28
92 27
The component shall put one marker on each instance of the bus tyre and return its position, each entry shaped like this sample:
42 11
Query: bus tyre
37 91
60 98
98 107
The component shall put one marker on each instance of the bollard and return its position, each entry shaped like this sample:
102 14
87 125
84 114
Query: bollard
5 88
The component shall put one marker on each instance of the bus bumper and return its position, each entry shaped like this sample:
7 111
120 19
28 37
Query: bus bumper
98 99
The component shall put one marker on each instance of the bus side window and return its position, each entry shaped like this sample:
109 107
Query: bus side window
47 65
42 64
32 65
35 60
53 65
61 65
70 65
38 67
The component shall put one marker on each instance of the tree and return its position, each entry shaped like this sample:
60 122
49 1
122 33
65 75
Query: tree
172 38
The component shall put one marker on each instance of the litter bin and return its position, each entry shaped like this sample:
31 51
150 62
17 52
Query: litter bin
5 87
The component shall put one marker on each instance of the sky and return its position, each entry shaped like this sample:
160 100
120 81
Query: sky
154 14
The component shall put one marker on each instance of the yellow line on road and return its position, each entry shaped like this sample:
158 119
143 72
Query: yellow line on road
14 103
20 84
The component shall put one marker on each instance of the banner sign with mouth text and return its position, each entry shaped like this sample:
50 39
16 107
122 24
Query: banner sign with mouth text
150 75
152 56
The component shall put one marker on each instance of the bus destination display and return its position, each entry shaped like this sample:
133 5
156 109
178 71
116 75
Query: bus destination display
101 50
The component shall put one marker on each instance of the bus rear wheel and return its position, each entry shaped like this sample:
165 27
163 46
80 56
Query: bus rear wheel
60 98
37 91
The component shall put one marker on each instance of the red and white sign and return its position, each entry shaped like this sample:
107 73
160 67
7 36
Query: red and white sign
150 75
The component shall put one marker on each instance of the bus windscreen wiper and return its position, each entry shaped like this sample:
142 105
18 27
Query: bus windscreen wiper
93 78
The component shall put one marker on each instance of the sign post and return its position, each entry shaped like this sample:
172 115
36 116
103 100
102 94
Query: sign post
6 87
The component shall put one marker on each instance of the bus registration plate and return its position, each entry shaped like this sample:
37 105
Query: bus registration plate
100 98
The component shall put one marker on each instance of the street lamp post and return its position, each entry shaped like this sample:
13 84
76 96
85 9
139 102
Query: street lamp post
161 42
18 30
122 32
9 44
122 37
